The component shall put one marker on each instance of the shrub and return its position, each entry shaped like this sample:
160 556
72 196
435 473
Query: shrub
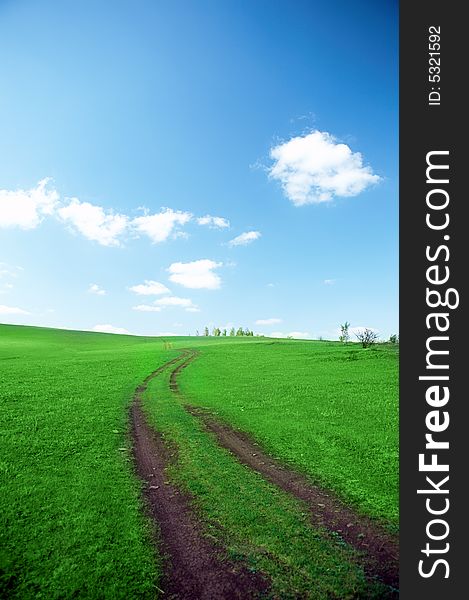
367 337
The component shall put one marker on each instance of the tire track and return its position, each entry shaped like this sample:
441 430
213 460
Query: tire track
194 567
378 549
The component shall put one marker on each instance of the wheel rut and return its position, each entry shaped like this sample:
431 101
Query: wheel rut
378 549
194 567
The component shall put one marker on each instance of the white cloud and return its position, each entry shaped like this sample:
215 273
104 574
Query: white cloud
95 289
272 321
110 329
6 287
12 310
213 222
27 208
316 167
94 222
158 227
149 288
181 235
146 308
245 238
297 335
329 281
174 301
7 270
196 275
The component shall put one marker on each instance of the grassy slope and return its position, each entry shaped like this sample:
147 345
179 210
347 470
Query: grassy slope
70 503
330 410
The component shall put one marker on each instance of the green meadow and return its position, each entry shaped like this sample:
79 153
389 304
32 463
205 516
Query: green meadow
326 408
73 519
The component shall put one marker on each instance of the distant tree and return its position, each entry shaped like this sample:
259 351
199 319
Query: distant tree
344 332
232 332
394 339
240 331
247 332
367 337
197 332
206 331
224 333
216 332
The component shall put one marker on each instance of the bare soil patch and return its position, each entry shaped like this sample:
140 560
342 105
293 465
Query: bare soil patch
195 568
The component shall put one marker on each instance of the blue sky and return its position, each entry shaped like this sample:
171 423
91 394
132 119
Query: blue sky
125 124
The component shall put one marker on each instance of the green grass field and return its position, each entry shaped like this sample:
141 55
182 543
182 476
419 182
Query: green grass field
70 503
73 520
329 409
